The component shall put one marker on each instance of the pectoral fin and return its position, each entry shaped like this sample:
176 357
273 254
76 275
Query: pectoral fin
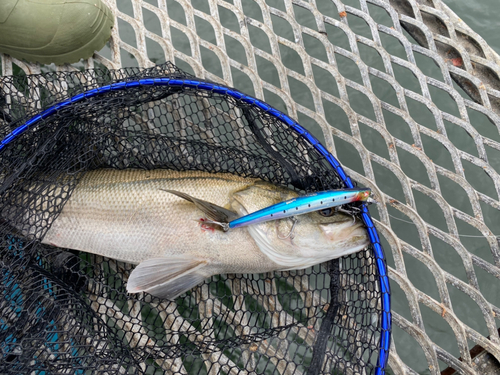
213 212
167 277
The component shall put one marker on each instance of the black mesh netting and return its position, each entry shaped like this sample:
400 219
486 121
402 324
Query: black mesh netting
67 312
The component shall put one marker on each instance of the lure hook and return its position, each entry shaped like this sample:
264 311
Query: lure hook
349 212
290 234
225 226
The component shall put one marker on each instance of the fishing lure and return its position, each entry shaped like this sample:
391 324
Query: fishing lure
323 201
326 202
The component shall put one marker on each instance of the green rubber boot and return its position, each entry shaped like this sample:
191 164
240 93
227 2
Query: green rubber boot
53 31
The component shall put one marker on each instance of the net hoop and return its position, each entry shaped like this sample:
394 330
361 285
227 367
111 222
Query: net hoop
386 319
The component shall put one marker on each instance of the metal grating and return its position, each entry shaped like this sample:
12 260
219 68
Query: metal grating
353 75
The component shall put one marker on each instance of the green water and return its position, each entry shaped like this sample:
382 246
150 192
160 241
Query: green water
480 16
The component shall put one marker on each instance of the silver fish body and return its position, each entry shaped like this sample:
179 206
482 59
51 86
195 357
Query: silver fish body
125 215
128 216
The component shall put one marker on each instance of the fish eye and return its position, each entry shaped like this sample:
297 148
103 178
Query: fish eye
326 212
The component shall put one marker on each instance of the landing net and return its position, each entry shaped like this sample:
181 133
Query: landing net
65 311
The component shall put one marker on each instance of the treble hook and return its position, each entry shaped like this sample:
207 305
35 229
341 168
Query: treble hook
290 234
350 213
225 226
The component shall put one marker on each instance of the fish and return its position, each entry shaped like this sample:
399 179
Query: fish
323 201
127 215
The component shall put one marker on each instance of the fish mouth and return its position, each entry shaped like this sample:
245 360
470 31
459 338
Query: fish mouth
347 238
333 238
357 232
346 231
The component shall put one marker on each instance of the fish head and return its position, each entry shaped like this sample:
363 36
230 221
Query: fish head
301 241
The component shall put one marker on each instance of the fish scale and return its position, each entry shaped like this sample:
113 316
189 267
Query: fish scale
118 214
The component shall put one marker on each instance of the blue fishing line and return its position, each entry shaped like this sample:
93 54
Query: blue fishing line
386 319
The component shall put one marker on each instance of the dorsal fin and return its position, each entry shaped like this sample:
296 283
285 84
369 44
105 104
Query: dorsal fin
213 212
